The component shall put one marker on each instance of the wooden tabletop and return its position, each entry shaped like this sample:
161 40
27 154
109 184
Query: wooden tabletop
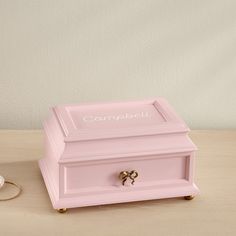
211 213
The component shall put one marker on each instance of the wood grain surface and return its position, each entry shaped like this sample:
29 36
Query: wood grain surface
211 213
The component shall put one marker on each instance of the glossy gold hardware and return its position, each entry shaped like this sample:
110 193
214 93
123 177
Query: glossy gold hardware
190 197
124 175
62 210
133 175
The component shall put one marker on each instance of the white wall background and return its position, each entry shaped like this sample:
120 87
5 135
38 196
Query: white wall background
54 52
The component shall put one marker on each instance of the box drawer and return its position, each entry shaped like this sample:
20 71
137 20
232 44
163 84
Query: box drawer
104 176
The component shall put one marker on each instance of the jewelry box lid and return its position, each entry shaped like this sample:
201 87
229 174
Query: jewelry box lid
118 119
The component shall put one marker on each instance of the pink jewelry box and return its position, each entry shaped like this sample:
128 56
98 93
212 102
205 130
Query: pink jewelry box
116 152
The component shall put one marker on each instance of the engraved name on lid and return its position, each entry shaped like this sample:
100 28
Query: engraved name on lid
118 119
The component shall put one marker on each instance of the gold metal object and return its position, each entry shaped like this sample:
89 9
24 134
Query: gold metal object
124 175
14 196
133 175
190 197
62 210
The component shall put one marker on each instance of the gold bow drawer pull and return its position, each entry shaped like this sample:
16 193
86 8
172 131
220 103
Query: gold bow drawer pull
124 175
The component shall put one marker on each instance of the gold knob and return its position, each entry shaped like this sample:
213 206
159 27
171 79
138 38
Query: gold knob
124 175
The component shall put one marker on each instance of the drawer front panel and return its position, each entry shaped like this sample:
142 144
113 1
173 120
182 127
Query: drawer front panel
104 175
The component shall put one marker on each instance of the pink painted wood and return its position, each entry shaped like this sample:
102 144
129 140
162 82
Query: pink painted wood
88 145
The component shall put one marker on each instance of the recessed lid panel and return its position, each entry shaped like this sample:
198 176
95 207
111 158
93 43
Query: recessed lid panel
118 119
